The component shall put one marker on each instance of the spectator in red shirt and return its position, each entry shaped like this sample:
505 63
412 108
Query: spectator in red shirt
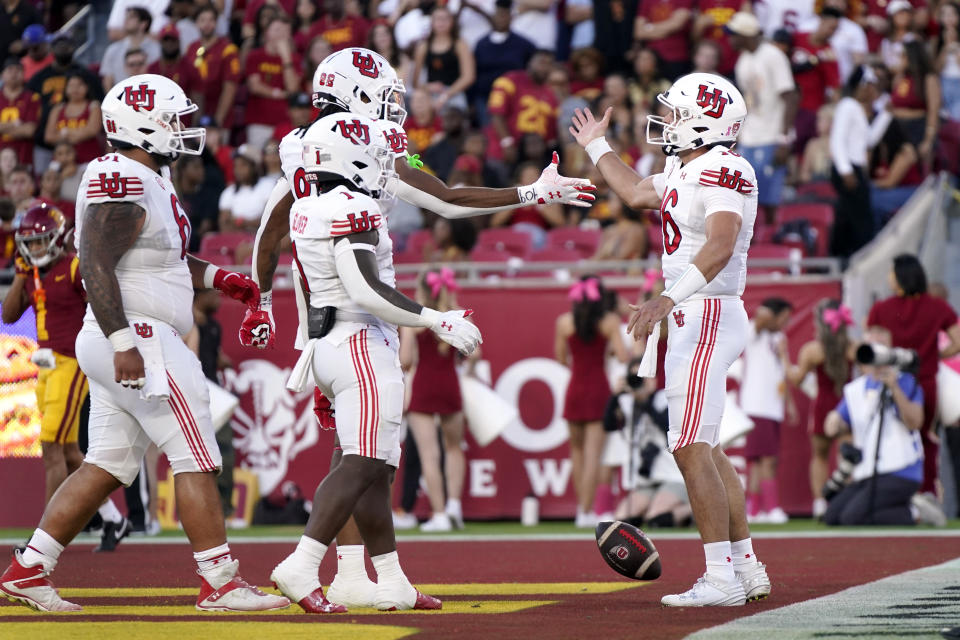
19 112
77 120
423 125
50 184
251 14
271 75
712 15
586 79
914 319
20 187
306 14
664 26
342 24
37 42
299 114
815 72
521 102
171 64
216 69
317 51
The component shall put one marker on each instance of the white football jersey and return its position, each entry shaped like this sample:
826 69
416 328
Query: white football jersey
291 156
154 278
719 180
315 223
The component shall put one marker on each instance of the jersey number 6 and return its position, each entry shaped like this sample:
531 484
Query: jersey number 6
667 222
183 224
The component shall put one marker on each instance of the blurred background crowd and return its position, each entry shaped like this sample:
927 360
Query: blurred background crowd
851 103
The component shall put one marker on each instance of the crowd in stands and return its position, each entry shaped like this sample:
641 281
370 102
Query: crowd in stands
851 103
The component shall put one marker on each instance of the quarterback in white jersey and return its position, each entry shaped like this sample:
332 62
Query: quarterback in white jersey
145 384
707 198
343 253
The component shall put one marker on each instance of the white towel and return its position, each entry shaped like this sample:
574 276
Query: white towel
648 364
301 371
156 385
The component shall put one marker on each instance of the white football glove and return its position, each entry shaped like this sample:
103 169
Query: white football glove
453 328
552 188
44 358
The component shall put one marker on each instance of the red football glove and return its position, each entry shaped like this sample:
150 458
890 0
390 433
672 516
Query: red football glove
238 286
323 410
257 328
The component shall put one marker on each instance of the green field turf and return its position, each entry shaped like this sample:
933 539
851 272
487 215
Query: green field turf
509 529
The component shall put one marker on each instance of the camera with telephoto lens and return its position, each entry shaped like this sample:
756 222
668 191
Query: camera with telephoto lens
849 457
881 356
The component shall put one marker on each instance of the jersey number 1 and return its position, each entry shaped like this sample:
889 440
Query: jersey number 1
183 224
668 224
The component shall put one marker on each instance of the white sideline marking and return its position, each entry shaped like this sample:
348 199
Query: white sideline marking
655 534
914 604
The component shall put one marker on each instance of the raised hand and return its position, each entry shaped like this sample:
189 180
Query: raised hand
586 128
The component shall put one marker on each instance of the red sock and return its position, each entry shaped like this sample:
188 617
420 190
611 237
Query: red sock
769 496
605 501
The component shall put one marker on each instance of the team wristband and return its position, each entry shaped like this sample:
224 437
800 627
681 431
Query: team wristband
122 340
429 317
596 149
689 282
209 275
266 299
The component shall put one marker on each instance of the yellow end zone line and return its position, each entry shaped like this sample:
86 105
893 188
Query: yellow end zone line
466 589
246 630
461 606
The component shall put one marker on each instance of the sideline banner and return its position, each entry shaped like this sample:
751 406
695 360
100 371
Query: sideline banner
277 438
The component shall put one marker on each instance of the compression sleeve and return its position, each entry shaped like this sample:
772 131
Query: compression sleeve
276 195
429 202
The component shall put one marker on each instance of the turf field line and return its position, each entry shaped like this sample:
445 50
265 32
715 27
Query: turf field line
470 607
655 534
871 610
200 630
466 589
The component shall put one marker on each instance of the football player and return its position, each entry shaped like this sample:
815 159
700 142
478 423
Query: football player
343 253
707 198
145 384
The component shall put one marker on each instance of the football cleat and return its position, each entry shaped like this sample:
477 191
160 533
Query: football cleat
352 593
708 591
754 580
113 533
402 597
304 590
236 594
29 586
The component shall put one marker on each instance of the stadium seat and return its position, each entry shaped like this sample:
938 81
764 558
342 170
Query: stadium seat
416 240
768 251
583 241
215 257
556 254
821 190
819 215
225 243
508 241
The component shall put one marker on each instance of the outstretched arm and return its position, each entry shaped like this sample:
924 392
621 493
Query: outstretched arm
427 192
636 192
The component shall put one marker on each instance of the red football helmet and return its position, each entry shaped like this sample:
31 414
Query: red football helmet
40 235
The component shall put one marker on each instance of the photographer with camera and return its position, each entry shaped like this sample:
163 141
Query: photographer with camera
883 411
657 495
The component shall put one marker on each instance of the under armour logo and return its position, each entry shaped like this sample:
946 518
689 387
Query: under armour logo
553 194
446 325
366 64
140 98
678 318
143 330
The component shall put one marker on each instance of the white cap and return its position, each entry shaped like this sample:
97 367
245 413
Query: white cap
899 5
746 24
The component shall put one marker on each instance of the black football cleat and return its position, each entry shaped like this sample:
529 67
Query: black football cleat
113 533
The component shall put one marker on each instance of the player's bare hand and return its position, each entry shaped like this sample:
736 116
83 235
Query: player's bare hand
128 369
586 128
644 317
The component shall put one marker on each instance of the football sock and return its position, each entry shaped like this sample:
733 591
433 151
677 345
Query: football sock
42 549
719 560
109 512
388 568
605 500
350 564
769 495
308 555
753 504
743 555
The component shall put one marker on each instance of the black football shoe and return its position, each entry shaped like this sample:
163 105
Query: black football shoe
113 533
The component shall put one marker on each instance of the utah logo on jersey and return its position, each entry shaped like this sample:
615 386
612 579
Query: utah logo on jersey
366 64
713 99
114 186
140 98
355 131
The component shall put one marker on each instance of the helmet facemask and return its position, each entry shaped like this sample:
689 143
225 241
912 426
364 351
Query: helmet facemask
44 254
186 140
670 138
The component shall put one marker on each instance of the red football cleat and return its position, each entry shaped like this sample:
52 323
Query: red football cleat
29 586
316 602
427 602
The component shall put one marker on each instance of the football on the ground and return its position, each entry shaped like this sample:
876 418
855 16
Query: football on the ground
628 550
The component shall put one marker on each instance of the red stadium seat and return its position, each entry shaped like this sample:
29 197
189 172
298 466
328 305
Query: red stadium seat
556 254
215 257
225 243
416 241
819 215
822 190
513 243
768 251
584 241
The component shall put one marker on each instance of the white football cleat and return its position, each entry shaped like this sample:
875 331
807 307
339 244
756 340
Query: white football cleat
708 591
235 594
438 523
404 521
777 516
352 592
29 586
753 578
